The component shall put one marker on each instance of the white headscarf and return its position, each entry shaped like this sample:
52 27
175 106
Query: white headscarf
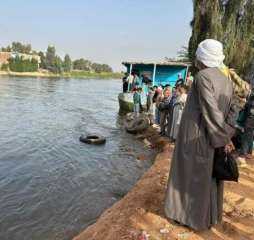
210 53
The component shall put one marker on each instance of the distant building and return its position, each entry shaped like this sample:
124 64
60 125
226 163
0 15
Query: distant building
5 56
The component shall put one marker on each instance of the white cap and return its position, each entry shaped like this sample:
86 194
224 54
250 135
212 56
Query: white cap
210 53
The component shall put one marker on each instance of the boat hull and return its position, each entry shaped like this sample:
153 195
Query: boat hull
125 104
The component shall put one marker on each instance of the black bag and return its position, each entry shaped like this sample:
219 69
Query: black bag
225 167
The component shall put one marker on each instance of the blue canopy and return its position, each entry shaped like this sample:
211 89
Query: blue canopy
159 73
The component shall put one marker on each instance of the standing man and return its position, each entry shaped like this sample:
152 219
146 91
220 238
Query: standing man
193 197
130 79
189 80
247 137
125 83
137 101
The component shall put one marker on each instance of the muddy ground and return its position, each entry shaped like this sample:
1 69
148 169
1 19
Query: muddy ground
142 208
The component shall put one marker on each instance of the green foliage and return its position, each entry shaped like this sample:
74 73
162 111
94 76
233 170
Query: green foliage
89 74
52 62
18 64
50 57
82 64
231 22
6 49
21 48
98 68
5 67
43 60
57 65
18 47
86 65
67 64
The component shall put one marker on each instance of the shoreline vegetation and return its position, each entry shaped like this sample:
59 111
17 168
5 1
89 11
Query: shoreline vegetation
72 74
18 59
142 208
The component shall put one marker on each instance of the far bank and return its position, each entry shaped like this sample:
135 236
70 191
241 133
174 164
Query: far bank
74 74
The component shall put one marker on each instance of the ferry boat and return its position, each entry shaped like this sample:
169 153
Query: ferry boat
160 73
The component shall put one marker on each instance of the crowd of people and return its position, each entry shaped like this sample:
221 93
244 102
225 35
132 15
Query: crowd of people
216 118
164 104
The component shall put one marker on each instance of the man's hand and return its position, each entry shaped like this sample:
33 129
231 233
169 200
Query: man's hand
229 147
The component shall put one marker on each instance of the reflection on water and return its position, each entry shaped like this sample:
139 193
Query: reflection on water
52 186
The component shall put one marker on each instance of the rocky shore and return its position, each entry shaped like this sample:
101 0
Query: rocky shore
142 208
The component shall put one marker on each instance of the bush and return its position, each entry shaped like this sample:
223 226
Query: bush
5 67
17 64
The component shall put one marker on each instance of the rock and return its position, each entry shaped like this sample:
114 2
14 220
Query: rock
136 125
147 143
164 231
140 137
141 157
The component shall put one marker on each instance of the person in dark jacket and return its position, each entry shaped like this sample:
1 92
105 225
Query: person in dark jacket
163 107
248 134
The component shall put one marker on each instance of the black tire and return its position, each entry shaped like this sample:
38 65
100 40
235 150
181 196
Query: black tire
92 139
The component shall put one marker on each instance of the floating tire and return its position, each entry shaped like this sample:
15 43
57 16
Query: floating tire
92 139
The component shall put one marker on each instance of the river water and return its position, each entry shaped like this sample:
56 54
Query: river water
51 185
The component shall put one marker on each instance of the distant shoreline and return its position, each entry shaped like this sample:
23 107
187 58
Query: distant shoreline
74 74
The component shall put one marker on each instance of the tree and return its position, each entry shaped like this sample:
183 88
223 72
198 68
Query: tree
57 65
67 64
6 49
21 48
183 54
53 62
50 57
5 67
231 22
43 60
98 68
82 64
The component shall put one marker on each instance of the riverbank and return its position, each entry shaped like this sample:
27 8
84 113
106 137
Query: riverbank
74 74
142 207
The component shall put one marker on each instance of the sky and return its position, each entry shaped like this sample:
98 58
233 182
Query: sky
104 31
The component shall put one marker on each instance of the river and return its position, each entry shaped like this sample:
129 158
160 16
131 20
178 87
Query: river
53 186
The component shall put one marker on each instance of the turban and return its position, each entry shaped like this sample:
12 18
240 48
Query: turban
210 53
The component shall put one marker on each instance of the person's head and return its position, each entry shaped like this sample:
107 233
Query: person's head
182 89
140 90
189 74
209 54
177 92
166 92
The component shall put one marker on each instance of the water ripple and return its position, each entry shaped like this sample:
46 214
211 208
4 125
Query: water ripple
51 185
